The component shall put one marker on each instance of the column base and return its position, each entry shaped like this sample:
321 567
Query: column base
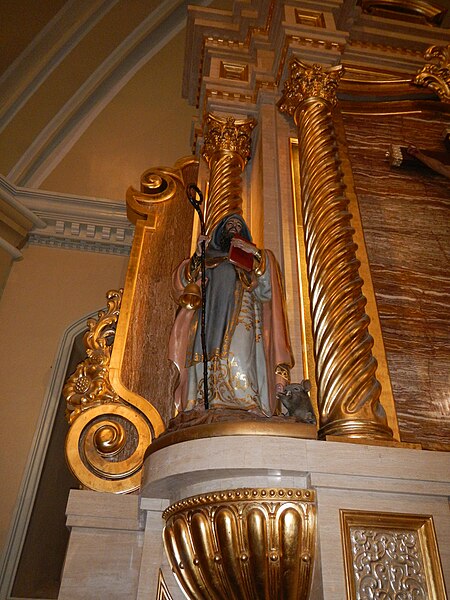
357 429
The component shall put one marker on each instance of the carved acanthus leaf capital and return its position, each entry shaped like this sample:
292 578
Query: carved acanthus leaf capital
309 81
228 135
436 76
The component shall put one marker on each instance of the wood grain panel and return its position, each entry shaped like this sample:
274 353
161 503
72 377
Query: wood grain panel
406 222
146 370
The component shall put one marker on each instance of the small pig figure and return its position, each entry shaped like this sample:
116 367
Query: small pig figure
295 398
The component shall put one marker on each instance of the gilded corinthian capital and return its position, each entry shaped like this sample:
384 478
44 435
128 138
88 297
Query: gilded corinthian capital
309 81
436 76
229 135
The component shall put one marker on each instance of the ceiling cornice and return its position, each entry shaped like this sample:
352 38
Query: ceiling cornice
69 221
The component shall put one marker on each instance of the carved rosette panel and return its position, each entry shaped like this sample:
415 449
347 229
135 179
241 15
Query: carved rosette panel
348 391
107 438
246 543
227 149
436 76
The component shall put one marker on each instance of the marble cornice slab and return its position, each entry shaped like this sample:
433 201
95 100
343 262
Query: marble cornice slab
75 222
388 468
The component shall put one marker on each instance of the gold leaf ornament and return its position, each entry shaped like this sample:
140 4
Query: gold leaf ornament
436 76
89 385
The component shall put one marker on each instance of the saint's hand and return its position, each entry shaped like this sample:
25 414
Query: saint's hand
245 246
202 238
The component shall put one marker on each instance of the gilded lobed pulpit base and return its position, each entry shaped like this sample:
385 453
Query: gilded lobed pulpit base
251 543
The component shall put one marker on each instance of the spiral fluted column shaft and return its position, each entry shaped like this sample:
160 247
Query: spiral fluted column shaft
226 150
225 187
348 390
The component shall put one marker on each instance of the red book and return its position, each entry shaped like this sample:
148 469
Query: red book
239 257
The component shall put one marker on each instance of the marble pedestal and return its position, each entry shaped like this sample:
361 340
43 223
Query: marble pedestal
116 548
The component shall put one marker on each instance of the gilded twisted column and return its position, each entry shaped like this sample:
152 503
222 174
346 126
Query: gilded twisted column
348 390
226 149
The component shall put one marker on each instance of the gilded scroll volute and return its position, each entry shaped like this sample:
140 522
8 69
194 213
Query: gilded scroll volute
108 437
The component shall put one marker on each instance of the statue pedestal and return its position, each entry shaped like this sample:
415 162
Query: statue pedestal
116 541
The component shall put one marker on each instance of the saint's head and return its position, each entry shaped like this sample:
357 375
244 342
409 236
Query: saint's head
225 231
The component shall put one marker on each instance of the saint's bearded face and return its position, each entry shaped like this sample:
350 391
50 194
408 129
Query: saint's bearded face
232 227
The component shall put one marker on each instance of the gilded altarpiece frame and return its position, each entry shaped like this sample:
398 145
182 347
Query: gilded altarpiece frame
386 397
392 555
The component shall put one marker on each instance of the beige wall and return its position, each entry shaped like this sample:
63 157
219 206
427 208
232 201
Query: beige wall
146 125
46 292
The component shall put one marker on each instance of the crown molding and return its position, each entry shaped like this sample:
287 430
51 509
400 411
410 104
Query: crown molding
74 222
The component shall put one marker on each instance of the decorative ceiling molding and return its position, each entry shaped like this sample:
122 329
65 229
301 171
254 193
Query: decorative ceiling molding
76 222
48 49
67 126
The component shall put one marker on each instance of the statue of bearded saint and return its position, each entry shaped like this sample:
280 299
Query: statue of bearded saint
247 341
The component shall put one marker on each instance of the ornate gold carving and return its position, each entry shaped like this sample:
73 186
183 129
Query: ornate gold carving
107 439
254 543
347 389
436 76
227 149
394 554
89 385
309 81
395 156
227 134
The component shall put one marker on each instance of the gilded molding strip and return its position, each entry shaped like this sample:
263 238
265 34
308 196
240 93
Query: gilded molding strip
348 390
247 543
395 554
162 592
431 13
